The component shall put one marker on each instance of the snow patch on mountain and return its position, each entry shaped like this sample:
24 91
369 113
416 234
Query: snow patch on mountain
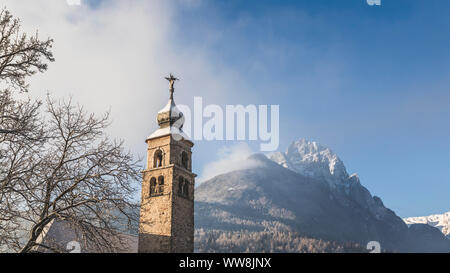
440 221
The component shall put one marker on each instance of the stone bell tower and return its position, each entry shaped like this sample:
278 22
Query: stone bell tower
167 203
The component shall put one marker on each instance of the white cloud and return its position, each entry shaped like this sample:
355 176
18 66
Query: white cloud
230 158
115 57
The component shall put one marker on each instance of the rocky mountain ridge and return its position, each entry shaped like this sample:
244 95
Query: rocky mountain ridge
306 190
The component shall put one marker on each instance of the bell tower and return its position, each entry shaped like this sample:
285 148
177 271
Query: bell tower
167 202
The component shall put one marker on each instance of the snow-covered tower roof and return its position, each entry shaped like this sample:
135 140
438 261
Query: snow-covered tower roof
170 119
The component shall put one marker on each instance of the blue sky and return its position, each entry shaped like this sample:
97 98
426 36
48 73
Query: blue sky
370 82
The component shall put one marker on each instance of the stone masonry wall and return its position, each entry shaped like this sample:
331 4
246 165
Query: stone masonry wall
167 220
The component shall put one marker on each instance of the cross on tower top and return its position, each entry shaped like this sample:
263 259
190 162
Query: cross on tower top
171 80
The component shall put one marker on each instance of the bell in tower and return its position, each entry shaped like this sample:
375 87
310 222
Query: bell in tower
167 202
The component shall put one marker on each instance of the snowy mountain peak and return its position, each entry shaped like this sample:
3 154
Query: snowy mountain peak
440 221
311 159
354 177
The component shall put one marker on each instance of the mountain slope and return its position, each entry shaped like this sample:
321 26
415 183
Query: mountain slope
307 192
440 221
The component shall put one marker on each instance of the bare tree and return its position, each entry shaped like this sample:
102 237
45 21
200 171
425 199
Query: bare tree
21 129
83 178
56 163
20 55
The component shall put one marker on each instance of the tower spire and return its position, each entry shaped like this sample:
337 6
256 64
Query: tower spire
168 186
171 80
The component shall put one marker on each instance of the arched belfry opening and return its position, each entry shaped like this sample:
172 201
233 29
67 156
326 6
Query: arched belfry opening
180 185
153 186
186 189
167 208
183 187
158 159
161 184
185 160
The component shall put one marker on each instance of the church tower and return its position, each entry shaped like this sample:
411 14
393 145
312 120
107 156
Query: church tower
167 203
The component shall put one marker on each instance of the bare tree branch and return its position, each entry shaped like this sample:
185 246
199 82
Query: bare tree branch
57 163
21 56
